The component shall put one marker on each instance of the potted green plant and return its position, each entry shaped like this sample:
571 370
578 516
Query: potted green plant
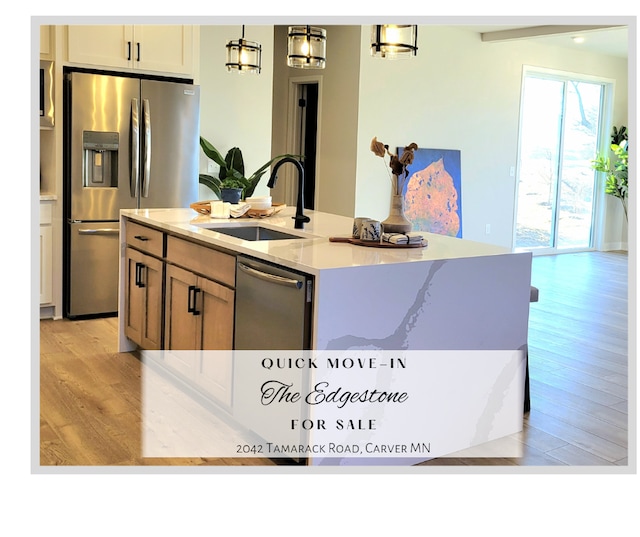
617 174
231 176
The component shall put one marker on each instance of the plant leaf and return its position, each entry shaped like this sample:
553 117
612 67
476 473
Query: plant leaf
211 182
234 160
212 152
232 169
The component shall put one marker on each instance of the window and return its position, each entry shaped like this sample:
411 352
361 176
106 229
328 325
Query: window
561 126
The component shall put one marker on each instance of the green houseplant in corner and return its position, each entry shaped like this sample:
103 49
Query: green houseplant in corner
617 174
231 174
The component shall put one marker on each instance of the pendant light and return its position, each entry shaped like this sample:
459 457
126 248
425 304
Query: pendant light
244 56
394 40
307 47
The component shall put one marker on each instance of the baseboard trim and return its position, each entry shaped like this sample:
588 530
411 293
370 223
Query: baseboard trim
47 312
614 246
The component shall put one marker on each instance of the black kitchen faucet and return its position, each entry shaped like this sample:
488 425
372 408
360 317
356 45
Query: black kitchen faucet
299 218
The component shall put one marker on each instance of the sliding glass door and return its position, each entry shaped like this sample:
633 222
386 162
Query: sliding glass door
560 127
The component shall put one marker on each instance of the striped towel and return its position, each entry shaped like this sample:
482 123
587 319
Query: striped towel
402 238
415 238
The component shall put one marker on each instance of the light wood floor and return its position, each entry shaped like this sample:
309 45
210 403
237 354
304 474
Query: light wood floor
90 399
90 394
578 355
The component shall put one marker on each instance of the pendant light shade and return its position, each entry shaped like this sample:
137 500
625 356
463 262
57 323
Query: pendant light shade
394 40
307 47
244 56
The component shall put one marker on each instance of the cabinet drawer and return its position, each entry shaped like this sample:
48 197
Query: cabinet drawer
145 238
211 263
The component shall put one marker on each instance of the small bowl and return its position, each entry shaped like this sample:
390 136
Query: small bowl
259 202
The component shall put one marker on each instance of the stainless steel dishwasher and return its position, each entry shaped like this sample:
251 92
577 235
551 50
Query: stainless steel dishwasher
273 307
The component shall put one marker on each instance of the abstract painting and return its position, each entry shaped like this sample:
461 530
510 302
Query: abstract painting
432 195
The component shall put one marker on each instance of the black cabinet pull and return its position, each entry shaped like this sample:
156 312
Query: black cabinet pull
192 300
128 51
190 307
139 269
138 47
195 301
141 238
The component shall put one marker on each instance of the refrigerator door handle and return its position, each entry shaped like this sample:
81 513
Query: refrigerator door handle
134 153
146 148
99 231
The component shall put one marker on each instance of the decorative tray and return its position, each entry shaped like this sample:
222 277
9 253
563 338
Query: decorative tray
378 244
264 213
204 207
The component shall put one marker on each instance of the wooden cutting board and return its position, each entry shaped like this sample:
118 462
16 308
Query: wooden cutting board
376 244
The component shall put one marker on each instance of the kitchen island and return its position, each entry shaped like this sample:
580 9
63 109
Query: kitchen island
453 295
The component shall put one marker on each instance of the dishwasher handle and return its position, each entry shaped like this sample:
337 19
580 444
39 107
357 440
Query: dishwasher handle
272 278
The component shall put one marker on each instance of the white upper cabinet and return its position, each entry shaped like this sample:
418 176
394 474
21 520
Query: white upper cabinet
46 42
166 49
109 46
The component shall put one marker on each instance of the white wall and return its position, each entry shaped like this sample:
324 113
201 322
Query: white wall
337 111
339 122
235 109
460 93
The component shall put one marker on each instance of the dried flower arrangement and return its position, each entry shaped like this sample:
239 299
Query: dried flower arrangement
397 165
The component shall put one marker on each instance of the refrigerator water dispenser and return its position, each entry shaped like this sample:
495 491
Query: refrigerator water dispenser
100 159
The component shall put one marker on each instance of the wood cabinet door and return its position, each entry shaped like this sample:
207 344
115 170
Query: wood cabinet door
180 324
152 308
143 299
134 296
198 312
214 375
216 331
214 369
209 327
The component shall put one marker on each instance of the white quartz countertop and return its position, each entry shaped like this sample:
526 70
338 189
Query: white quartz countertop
314 252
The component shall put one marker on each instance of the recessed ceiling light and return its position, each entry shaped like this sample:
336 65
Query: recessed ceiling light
578 39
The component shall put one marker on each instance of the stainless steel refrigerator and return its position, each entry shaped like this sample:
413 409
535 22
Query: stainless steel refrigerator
129 142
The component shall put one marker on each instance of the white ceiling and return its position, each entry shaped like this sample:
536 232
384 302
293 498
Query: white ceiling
613 41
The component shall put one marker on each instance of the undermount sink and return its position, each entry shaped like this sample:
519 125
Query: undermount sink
255 233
